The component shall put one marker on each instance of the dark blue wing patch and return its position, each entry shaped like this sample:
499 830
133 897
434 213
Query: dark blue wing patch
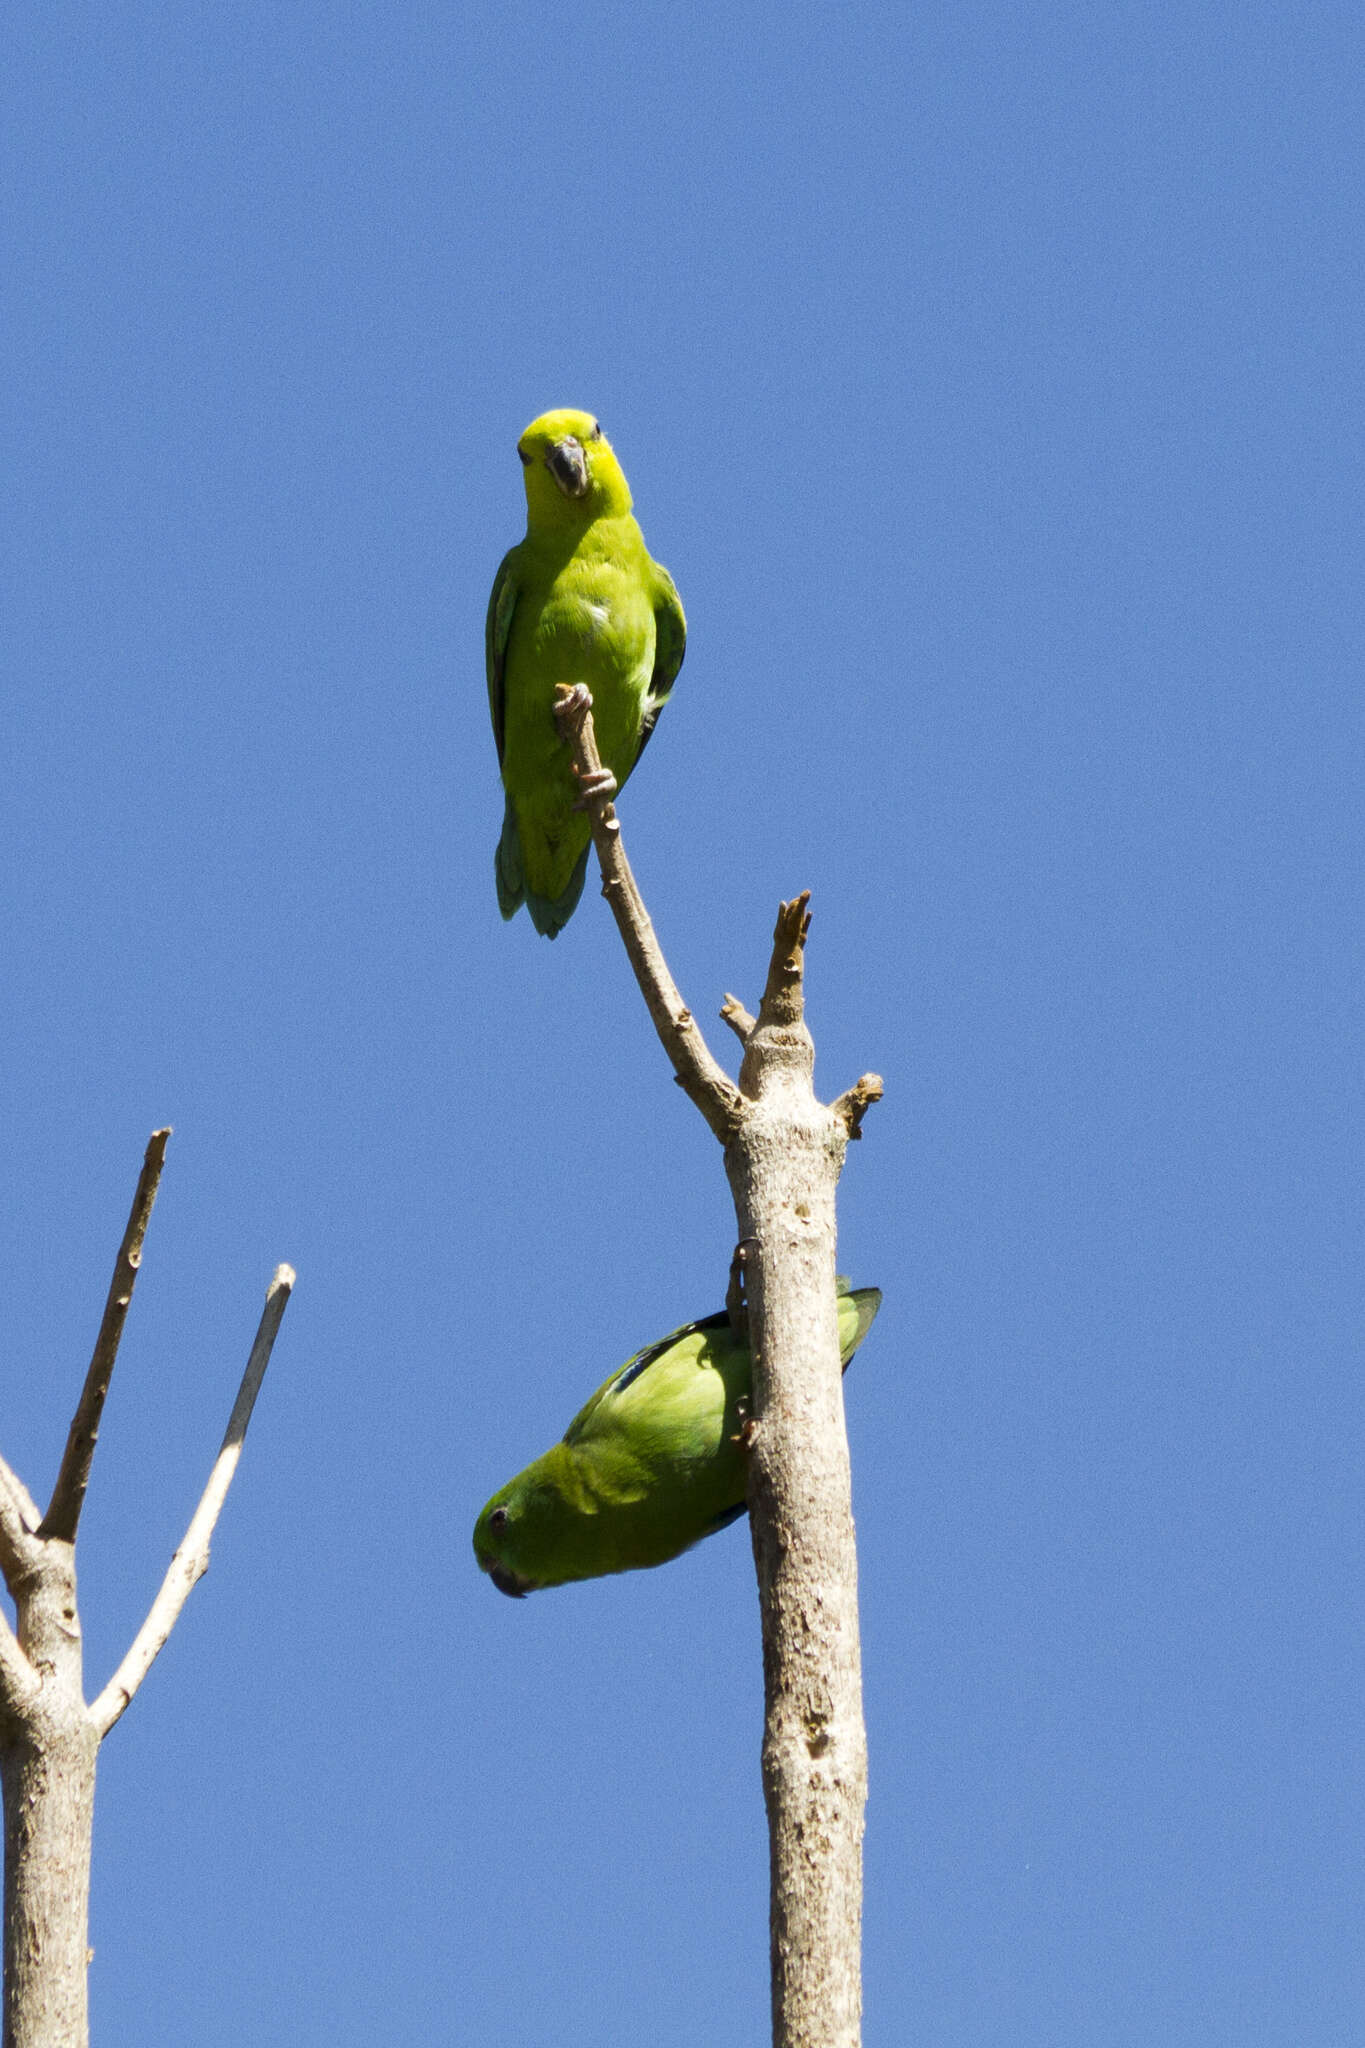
642 1360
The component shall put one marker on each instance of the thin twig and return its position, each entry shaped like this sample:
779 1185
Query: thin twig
698 1073
733 1013
853 1105
191 1560
68 1495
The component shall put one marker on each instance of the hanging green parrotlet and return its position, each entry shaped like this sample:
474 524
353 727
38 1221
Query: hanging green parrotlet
578 601
649 1467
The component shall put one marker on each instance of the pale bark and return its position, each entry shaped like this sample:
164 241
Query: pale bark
191 1560
783 1154
783 1166
47 1769
49 1738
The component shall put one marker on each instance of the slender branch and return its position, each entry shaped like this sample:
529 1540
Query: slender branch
734 1014
853 1105
191 1560
68 1495
698 1073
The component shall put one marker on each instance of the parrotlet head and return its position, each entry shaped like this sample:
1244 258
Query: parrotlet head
572 475
521 1525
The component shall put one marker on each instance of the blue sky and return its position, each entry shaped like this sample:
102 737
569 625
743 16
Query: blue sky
989 377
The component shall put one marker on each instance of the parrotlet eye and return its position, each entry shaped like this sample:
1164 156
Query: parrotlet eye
498 1519
596 433
525 458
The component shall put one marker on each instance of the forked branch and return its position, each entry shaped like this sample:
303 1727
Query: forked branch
49 1738
783 1153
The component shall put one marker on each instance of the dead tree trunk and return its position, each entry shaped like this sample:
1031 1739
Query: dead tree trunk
784 1151
49 1737
47 1765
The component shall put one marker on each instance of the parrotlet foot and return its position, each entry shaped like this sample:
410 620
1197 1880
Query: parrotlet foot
597 782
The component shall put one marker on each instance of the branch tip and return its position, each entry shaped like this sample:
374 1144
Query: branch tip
853 1105
782 1004
793 921
734 1014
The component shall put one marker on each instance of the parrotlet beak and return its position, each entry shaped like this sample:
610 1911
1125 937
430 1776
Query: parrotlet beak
508 1582
568 465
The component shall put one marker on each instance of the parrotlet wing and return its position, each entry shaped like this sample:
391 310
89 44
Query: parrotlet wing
670 645
508 870
634 1368
502 602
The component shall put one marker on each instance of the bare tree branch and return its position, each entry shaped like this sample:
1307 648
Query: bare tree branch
852 1106
734 1014
705 1082
68 1495
191 1560
783 1153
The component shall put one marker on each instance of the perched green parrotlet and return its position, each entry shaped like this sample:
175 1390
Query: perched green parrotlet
649 1467
580 600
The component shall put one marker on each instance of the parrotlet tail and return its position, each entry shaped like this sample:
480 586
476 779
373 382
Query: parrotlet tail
507 865
869 1300
549 916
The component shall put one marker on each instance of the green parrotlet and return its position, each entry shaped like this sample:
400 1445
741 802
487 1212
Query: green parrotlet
580 600
650 1466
